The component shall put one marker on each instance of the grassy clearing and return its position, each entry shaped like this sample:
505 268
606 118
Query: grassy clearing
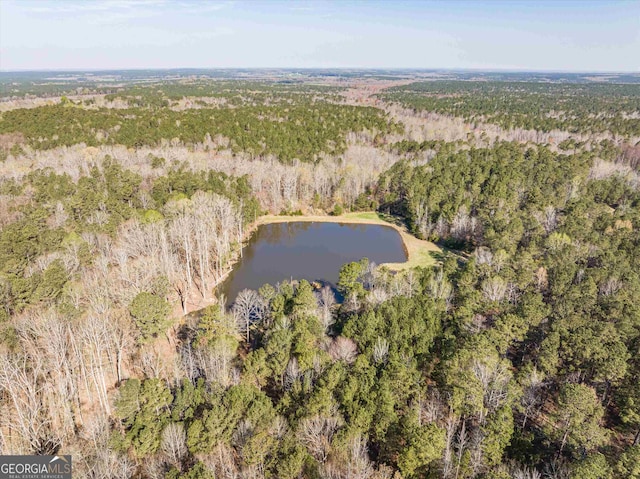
420 253
363 215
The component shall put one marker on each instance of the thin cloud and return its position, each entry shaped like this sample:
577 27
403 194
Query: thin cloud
94 7
118 10
202 7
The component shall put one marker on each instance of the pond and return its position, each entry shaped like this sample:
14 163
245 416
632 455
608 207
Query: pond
311 251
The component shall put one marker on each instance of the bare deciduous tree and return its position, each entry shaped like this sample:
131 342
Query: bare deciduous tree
356 464
423 220
99 461
174 444
460 445
326 301
95 336
249 308
494 376
463 226
440 288
292 373
316 434
221 462
217 364
448 459
22 382
556 469
531 398
494 289
524 472
610 287
381 350
343 349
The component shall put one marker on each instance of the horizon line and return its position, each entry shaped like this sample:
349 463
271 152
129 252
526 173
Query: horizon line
446 69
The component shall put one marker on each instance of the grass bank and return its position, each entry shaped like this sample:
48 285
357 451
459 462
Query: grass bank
419 252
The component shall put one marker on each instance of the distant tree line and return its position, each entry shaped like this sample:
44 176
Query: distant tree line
301 131
577 108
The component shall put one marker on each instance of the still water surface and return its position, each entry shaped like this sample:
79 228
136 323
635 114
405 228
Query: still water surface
311 251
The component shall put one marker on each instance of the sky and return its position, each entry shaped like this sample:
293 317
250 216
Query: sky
541 35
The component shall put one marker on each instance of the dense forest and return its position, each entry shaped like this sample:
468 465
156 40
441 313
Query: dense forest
517 355
577 108
300 131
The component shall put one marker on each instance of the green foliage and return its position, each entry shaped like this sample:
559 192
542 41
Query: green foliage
151 216
523 340
628 466
257 130
290 460
574 107
197 471
465 377
577 418
593 466
349 276
150 313
498 432
223 414
410 327
629 400
157 162
217 330
424 446
143 409
189 399
52 282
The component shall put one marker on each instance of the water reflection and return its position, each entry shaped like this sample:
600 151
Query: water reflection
312 251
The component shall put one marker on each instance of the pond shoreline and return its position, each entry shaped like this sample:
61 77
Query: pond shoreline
419 252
